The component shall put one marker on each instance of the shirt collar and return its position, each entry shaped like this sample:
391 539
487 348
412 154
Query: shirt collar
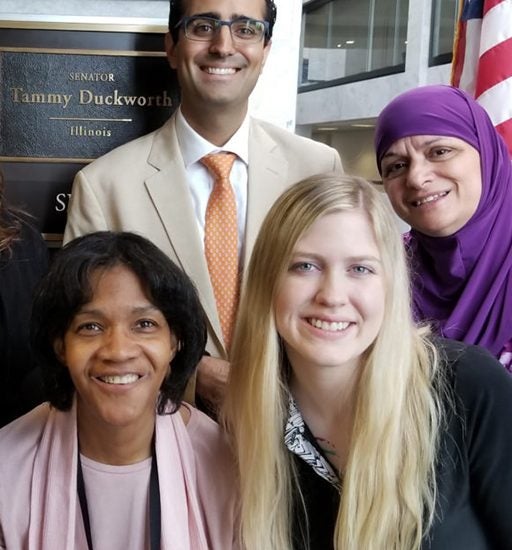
194 147
297 442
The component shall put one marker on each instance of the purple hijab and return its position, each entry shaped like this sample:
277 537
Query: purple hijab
463 282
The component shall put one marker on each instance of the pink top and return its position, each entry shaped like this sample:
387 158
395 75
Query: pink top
39 508
119 504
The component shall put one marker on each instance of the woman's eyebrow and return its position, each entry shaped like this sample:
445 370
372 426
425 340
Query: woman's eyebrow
137 309
391 153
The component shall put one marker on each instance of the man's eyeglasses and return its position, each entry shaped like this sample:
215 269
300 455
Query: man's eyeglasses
204 29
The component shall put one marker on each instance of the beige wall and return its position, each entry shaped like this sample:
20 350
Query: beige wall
355 147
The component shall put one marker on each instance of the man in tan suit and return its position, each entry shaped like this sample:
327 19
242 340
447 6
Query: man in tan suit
157 186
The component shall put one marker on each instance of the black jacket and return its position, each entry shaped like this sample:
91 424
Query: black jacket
20 271
474 480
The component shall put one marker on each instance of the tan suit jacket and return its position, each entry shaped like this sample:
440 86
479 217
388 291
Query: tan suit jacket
142 187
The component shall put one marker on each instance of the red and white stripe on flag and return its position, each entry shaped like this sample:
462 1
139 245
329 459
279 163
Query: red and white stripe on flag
482 59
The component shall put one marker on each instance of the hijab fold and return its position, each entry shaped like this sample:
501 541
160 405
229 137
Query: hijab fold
462 282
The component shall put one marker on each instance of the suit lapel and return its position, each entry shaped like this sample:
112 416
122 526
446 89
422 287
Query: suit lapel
171 198
168 189
268 169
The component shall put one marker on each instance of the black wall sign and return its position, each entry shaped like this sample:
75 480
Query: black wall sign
68 96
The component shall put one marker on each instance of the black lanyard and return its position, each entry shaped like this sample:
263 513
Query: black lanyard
154 503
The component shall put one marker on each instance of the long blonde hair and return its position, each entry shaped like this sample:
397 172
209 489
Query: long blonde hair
389 490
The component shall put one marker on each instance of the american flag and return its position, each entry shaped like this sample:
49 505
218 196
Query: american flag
482 58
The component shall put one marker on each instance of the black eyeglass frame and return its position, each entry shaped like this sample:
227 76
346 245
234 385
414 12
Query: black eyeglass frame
218 23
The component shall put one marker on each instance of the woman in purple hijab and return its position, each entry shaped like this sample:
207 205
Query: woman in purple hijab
448 174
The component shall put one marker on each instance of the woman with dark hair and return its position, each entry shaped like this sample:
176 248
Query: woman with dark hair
23 261
448 174
114 460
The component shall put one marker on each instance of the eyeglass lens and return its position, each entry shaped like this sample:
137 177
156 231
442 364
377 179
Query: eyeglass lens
205 28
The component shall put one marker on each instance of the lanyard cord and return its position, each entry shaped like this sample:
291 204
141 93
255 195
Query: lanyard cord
154 503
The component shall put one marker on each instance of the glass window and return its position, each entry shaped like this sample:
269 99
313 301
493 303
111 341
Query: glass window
342 38
444 19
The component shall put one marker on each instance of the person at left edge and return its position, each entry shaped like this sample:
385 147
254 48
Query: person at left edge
114 460
23 261
157 186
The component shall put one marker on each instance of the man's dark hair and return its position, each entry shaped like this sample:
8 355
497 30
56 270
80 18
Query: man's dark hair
67 287
176 13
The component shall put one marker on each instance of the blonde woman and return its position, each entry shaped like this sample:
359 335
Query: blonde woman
354 429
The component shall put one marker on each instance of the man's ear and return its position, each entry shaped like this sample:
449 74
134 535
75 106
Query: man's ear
59 349
170 50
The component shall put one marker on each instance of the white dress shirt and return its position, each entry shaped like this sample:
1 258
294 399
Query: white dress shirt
200 181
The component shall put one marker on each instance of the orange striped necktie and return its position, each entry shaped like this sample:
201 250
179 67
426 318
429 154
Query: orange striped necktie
221 241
